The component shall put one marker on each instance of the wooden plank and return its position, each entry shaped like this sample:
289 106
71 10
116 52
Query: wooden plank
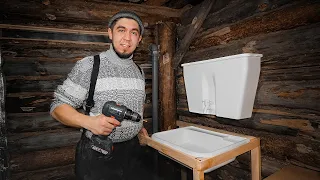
198 175
32 141
256 163
301 124
177 155
241 9
28 104
60 172
284 104
30 34
283 47
290 94
167 104
294 173
95 12
155 2
36 85
31 122
11 46
34 78
296 15
246 123
39 60
42 159
36 68
58 41
52 29
196 25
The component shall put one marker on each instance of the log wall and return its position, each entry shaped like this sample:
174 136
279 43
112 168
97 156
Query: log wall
40 42
286 114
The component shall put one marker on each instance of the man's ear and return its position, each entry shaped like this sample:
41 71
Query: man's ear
110 33
140 38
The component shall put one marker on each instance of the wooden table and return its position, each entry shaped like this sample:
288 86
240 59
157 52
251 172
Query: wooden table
199 165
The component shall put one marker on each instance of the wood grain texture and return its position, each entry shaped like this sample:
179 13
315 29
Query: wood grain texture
167 98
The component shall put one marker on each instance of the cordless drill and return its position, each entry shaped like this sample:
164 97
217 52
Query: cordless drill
103 144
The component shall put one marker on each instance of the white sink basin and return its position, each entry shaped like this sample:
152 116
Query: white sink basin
199 142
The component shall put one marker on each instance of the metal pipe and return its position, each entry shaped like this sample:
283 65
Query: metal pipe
155 86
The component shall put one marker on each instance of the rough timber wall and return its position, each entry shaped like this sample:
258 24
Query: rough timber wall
287 110
41 41
3 130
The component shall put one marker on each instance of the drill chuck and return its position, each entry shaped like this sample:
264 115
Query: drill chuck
119 112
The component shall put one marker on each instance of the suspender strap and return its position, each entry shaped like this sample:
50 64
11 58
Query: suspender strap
140 69
94 76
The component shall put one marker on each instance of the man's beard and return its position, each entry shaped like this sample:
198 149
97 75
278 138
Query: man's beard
121 55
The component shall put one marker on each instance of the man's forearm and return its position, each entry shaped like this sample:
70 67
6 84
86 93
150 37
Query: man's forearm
67 115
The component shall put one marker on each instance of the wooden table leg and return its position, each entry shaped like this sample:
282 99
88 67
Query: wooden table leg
256 163
184 173
198 175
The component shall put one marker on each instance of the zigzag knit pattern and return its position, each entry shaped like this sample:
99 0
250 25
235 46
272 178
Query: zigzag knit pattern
119 80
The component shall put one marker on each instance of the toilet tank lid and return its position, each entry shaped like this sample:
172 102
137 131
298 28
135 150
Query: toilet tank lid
223 58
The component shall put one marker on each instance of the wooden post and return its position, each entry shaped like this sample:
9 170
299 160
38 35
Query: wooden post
256 163
167 114
4 156
198 175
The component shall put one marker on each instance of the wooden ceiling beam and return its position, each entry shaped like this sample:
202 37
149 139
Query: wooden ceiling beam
192 30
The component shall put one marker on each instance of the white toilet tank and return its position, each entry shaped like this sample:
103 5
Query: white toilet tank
225 87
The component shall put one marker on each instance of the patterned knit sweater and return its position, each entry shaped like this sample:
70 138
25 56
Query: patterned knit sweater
119 80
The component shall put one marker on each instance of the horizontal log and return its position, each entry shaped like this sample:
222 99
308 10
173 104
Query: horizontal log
52 29
142 47
67 27
271 112
43 159
238 10
301 124
295 15
47 50
32 141
45 35
31 122
304 72
28 104
95 12
272 145
280 50
36 68
33 66
30 118
61 172
289 94
250 123
58 41
20 85
278 43
38 60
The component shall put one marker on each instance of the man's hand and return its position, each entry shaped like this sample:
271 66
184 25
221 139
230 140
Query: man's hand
102 125
142 134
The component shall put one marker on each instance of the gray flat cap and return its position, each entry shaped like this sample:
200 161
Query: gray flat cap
127 14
